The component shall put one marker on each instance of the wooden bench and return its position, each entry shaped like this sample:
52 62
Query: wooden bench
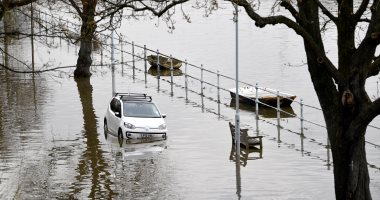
247 141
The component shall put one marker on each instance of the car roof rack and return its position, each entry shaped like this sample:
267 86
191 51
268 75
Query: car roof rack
134 97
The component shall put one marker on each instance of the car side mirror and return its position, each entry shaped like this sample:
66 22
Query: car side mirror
117 114
163 115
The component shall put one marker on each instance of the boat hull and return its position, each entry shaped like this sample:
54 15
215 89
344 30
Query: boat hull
165 62
265 101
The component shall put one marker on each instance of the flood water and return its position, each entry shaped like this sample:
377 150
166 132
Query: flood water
52 144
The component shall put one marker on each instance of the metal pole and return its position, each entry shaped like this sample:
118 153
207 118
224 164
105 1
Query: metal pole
122 56
186 86
133 59
171 75
278 109
158 70
301 118
39 21
377 86
218 90
257 108
32 33
101 55
237 115
203 106
328 147
60 34
201 80
113 65
145 65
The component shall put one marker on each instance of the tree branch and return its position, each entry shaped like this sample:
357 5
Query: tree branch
76 7
292 10
361 10
36 71
326 12
117 7
273 20
374 68
363 119
18 3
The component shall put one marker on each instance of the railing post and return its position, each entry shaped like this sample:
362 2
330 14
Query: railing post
67 39
133 59
328 147
202 95
186 86
158 70
40 20
122 56
46 26
201 80
171 75
301 118
257 108
60 33
218 90
101 55
278 109
145 65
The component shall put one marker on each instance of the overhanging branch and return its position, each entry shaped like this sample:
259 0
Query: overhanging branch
326 12
76 7
374 68
273 20
363 119
361 10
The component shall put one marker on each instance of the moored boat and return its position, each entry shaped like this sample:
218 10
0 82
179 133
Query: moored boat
266 96
164 62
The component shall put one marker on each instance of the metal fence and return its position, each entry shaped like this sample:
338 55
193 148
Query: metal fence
192 72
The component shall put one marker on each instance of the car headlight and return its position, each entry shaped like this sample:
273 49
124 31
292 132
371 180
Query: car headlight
162 127
129 125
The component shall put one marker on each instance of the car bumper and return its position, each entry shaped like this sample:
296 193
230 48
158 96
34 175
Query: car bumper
143 133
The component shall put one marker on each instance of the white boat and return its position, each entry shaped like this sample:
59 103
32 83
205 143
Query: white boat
266 96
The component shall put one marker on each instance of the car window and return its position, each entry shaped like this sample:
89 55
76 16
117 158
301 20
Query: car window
140 109
113 104
118 106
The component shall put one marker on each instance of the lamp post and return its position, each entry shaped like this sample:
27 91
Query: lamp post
237 115
113 64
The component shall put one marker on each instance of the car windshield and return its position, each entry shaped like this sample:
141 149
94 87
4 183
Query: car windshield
141 109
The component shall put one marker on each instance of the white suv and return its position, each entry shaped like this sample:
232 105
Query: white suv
134 115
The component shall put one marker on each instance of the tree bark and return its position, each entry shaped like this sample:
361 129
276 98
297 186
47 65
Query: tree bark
340 106
86 37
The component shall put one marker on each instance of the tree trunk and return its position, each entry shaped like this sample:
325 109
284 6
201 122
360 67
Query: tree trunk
87 34
84 59
351 170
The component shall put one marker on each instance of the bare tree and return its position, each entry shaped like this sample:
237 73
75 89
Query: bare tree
6 5
93 12
340 89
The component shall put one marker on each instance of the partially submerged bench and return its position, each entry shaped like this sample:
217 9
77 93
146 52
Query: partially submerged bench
248 142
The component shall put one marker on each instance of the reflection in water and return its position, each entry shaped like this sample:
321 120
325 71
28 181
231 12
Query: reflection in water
20 122
164 72
92 164
266 112
238 179
244 154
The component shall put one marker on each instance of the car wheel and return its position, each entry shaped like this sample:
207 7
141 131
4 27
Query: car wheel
120 133
105 128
